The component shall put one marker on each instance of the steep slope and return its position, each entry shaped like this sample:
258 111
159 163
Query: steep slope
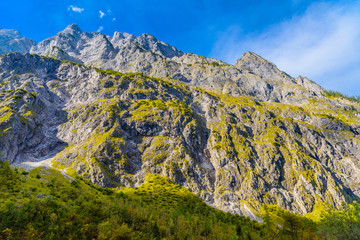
236 153
11 41
45 204
252 75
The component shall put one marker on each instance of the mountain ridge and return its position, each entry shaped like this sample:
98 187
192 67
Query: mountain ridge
12 41
152 57
261 138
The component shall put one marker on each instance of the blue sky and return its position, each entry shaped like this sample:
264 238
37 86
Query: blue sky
317 39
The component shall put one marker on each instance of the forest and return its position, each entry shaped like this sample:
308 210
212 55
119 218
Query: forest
46 204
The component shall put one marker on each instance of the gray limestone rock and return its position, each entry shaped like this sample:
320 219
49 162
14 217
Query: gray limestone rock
233 151
237 136
251 76
11 41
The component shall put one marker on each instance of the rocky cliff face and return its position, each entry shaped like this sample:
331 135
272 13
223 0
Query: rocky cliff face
11 41
251 76
238 136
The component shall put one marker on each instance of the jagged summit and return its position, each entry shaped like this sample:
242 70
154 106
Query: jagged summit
150 43
8 34
72 29
12 41
252 75
118 36
249 59
259 66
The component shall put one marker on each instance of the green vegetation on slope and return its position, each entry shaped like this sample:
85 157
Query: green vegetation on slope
240 130
45 204
329 93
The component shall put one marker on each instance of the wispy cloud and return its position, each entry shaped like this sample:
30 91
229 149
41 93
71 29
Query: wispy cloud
101 14
323 44
114 19
100 29
75 9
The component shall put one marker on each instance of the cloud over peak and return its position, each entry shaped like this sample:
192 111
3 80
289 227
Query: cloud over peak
75 9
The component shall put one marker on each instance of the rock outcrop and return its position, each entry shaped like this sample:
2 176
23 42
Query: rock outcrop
11 41
251 76
227 146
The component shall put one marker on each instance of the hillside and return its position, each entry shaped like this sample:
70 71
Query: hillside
238 136
45 204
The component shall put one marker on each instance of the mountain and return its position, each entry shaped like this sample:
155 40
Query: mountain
62 207
145 54
115 109
11 41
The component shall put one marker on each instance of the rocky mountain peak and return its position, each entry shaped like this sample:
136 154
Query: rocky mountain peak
305 82
118 36
12 41
120 39
7 34
259 66
73 29
150 43
69 42
251 76
148 37
251 56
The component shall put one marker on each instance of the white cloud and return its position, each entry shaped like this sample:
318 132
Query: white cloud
75 9
323 44
102 14
100 29
114 19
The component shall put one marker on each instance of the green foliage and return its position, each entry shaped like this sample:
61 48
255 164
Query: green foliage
343 224
11 102
4 83
116 73
214 64
44 204
332 224
72 63
57 207
329 93
292 226
151 110
5 114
